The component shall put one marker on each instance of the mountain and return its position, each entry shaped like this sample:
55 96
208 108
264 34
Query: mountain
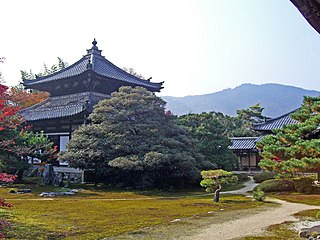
277 100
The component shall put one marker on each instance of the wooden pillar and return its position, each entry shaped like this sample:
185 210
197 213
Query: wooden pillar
249 158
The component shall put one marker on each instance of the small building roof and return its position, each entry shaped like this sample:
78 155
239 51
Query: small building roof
62 106
94 62
243 143
275 123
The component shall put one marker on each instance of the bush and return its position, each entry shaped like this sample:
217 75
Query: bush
263 176
12 190
242 177
277 185
259 195
304 185
33 180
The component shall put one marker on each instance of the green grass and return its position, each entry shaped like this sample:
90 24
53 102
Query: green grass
277 232
95 214
311 199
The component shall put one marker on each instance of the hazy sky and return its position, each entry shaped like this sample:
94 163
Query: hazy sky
195 46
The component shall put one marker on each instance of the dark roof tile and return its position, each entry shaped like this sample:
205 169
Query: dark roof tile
61 106
97 63
243 143
275 123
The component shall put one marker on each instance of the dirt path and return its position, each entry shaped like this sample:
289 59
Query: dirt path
254 224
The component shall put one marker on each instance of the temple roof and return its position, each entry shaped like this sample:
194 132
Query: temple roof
310 10
62 106
275 123
243 143
94 62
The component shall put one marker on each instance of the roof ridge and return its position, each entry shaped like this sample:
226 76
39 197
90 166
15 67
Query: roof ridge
274 119
244 138
39 79
129 74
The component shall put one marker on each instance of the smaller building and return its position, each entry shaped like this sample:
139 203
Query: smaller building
245 147
246 151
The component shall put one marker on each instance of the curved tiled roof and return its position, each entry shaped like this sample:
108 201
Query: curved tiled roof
97 63
243 143
61 106
275 123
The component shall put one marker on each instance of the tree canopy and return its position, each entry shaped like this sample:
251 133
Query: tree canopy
131 141
295 147
212 138
17 142
61 64
246 118
213 179
24 98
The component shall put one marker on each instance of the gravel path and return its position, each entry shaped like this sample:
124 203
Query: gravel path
249 185
253 224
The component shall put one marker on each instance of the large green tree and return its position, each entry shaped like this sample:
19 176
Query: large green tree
212 140
246 118
131 141
295 147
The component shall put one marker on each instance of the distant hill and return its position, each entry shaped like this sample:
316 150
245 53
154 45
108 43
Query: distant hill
277 100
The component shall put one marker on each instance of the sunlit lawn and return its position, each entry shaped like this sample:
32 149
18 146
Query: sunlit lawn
95 214
311 199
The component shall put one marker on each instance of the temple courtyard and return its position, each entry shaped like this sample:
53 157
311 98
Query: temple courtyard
93 213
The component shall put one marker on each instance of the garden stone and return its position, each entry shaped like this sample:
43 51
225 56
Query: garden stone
307 232
54 194
23 191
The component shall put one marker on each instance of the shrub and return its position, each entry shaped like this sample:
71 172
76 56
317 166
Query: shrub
242 177
277 185
4 227
263 176
304 185
259 195
33 180
4 204
12 190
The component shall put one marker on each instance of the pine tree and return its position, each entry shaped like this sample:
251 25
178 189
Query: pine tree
133 142
212 141
295 147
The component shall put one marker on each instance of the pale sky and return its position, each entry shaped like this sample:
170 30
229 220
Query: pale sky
195 46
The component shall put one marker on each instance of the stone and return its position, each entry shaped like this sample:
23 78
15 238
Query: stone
23 191
176 220
304 233
54 194
308 232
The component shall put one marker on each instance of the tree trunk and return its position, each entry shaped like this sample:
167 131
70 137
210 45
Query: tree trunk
19 176
318 177
217 192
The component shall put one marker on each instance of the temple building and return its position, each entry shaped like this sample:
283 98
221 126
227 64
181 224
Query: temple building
73 93
245 147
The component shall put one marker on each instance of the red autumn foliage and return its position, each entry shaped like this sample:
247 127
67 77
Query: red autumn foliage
24 99
7 178
4 204
8 117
